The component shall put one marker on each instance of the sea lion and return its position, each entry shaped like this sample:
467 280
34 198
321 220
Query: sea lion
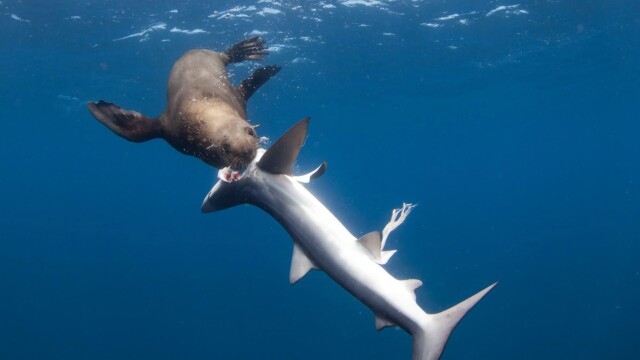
205 115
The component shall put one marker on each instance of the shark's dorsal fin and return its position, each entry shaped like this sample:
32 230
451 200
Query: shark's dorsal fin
316 173
412 285
300 264
382 323
283 153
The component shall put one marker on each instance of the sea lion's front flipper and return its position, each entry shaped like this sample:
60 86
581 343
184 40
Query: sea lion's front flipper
129 124
249 85
249 49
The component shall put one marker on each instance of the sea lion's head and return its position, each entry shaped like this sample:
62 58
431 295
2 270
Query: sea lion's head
225 140
213 132
236 145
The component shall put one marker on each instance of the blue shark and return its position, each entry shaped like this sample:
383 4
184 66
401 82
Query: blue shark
321 241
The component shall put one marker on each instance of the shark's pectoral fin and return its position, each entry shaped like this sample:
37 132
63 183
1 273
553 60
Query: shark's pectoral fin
382 323
306 178
373 244
412 285
300 264
281 156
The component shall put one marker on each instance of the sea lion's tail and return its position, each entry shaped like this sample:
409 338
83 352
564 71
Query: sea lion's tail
128 124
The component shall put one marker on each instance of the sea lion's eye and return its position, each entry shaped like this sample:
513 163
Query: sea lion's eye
251 132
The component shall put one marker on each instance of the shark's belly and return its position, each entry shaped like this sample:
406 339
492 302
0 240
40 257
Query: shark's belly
334 250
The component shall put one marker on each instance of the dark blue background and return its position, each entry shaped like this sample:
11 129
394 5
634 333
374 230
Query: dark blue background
520 145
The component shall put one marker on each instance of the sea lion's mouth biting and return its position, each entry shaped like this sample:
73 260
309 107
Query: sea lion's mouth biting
236 163
239 163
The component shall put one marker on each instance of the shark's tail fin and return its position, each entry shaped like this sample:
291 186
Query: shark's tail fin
430 340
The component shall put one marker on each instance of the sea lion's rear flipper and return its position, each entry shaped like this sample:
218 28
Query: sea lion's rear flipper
129 124
249 49
249 85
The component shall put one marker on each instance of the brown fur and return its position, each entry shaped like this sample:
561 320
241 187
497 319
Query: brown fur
205 115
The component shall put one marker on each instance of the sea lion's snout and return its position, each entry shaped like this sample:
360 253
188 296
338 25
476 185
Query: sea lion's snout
245 155
250 147
240 146
248 152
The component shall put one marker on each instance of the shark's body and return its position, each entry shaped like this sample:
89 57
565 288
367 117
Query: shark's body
321 241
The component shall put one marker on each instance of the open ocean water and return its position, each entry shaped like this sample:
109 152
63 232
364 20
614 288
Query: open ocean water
513 124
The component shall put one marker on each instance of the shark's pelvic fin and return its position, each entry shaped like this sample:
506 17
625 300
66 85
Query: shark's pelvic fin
300 264
382 323
373 243
385 256
281 156
306 178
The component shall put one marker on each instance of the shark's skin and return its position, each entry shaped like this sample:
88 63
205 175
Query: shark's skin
321 241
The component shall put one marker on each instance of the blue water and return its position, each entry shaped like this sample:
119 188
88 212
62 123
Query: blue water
514 128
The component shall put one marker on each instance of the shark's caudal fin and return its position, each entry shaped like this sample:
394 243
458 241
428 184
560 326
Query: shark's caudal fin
429 342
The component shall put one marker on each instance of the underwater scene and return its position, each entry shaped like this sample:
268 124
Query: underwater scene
512 129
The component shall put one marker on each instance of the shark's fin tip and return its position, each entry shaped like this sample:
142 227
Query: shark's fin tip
300 264
382 323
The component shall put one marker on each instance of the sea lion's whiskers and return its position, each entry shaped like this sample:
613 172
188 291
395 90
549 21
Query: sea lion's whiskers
235 161
213 144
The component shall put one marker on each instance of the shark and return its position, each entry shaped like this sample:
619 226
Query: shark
321 241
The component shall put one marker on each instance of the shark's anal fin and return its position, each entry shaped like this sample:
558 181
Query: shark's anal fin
306 178
300 264
373 244
281 156
411 285
382 323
